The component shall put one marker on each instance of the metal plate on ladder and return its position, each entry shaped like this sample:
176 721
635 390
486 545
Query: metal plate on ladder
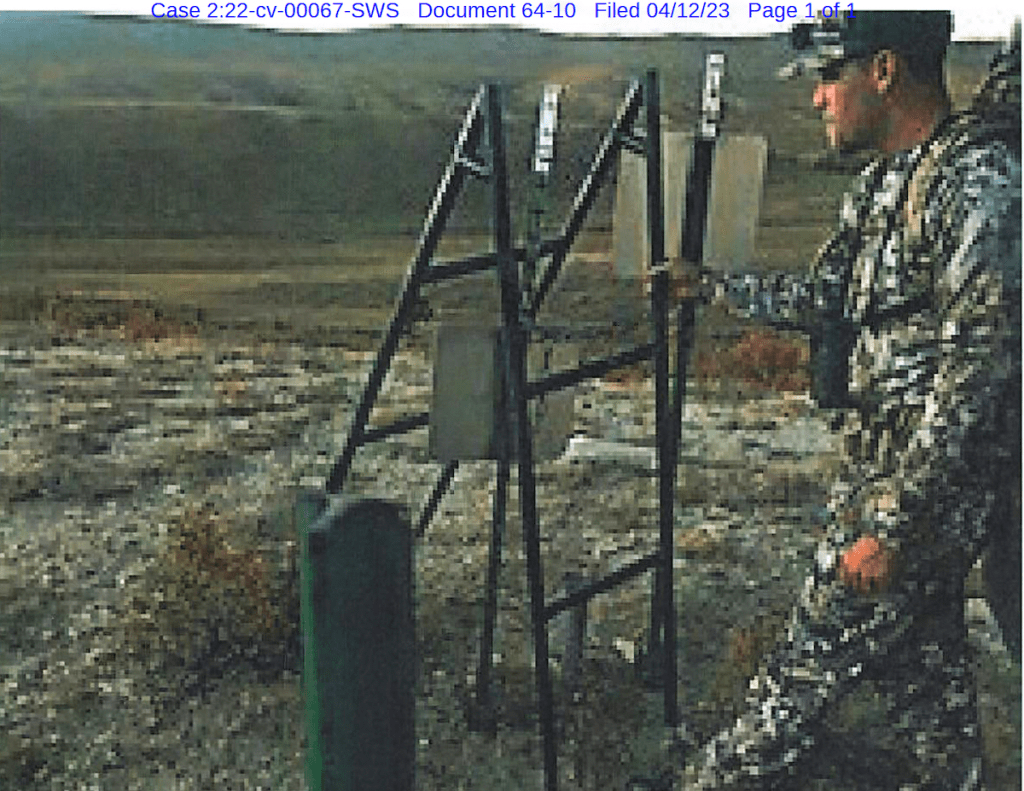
466 390
464 415
733 211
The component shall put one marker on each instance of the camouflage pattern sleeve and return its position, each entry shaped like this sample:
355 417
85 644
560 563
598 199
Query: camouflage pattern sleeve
783 300
796 300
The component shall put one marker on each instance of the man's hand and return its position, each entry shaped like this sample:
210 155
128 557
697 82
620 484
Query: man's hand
867 566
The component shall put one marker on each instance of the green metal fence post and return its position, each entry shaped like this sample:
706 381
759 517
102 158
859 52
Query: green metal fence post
307 508
359 644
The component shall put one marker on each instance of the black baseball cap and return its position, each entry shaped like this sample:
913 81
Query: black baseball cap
827 43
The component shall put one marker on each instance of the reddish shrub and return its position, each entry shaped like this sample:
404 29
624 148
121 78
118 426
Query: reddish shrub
760 358
145 325
205 559
207 603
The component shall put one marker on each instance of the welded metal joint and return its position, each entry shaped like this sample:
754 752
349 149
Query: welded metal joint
634 142
479 169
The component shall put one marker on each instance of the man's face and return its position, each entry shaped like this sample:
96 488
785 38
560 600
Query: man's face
850 106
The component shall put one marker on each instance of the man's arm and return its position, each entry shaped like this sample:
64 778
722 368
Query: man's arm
800 301
779 299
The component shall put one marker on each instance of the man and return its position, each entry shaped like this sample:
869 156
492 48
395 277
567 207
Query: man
914 313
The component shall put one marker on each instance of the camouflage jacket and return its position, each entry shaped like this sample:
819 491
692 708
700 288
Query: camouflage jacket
925 271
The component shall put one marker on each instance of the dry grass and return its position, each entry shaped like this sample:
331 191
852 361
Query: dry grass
133 320
761 359
211 600
150 325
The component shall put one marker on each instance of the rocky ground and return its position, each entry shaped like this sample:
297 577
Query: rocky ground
148 460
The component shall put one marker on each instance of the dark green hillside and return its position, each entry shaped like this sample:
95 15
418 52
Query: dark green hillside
111 127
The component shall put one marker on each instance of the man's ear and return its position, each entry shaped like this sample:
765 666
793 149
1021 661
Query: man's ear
885 66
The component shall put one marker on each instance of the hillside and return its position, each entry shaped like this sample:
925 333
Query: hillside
121 128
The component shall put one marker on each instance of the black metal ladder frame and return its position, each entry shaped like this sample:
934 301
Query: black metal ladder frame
485 113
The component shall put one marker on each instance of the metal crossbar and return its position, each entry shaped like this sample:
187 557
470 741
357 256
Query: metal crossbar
435 497
400 426
516 390
589 370
597 587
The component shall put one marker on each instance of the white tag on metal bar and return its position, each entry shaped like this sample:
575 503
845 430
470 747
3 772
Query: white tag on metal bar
544 153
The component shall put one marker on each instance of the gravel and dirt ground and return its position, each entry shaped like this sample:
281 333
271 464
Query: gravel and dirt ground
152 437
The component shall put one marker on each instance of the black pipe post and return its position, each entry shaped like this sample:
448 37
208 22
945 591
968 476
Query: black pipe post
698 189
685 323
698 193
444 480
484 716
665 601
485 719
516 340
656 243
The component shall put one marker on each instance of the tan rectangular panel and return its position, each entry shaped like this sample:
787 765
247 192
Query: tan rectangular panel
465 392
737 182
463 415
737 179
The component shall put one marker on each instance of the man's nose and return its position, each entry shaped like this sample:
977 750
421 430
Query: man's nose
819 96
